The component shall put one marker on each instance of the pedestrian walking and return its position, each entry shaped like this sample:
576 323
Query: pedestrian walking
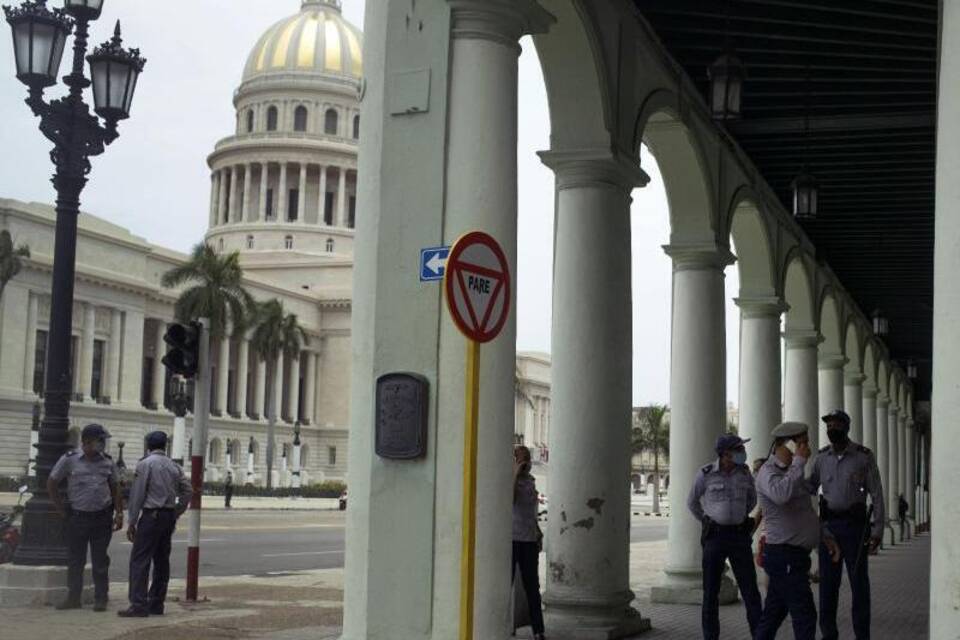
159 495
722 498
93 512
848 474
792 532
903 507
527 538
228 490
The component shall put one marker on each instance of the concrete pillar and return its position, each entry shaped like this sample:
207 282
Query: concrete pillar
282 194
159 371
86 350
869 416
30 348
264 187
317 389
830 369
243 360
302 195
293 387
893 462
277 390
222 200
245 202
233 208
223 371
342 199
214 202
800 393
310 386
902 459
322 204
911 470
883 448
404 528
760 407
588 583
697 408
853 403
260 393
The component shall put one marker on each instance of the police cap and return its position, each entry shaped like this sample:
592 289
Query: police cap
156 440
729 441
837 415
94 432
789 430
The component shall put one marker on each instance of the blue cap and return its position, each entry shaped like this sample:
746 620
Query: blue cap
156 440
837 414
729 441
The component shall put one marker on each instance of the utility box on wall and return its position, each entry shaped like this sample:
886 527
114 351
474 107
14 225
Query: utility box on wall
401 418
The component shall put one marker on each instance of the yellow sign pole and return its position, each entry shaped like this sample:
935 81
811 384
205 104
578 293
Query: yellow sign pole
467 560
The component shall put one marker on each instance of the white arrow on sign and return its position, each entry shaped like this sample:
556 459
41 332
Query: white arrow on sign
436 263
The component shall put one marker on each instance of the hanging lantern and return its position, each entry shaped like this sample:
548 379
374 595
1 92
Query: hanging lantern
114 71
805 193
39 37
726 75
84 9
881 326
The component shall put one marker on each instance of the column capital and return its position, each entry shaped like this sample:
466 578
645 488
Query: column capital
883 402
761 307
501 21
699 256
594 168
870 392
802 339
827 361
853 378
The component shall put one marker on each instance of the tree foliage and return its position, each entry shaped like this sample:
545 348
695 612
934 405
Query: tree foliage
651 432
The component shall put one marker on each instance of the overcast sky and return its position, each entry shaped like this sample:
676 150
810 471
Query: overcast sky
154 180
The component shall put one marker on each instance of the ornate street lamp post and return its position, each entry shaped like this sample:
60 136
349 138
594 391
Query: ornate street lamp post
39 39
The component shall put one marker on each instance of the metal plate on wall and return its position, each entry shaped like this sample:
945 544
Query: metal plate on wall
401 423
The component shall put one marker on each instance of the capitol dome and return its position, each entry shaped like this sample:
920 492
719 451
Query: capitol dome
317 40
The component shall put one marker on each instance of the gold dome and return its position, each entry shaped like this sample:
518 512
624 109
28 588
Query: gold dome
315 41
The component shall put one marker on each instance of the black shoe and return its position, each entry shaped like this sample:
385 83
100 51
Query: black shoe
156 612
133 613
100 605
69 603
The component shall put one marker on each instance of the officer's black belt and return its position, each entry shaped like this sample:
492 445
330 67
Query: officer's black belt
857 513
91 514
787 547
153 510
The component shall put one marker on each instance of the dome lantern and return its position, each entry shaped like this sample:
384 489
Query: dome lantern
336 4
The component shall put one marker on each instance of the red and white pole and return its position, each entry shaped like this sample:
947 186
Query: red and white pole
201 411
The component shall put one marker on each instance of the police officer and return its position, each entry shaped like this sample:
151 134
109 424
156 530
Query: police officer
93 492
159 495
792 532
847 473
721 499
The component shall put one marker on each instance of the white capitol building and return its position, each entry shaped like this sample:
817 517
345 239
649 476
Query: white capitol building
283 195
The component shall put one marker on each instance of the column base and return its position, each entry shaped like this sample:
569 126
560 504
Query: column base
570 617
680 587
28 586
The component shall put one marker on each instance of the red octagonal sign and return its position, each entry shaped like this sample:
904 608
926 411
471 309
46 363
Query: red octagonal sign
477 284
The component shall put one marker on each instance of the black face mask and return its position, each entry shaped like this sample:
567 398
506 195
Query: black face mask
837 436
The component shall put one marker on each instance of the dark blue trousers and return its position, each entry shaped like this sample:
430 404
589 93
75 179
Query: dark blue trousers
732 545
850 537
92 530
788 568
151 545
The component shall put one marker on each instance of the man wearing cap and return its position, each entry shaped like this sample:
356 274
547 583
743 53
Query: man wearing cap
721 499
159 495
792 532
847 472
93 493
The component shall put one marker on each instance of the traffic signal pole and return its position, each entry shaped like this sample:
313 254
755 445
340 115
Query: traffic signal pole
201 412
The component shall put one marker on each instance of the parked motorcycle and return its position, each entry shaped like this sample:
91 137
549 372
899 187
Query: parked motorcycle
10 529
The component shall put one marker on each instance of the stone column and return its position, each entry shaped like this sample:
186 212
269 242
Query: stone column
243 360
697 406
264 187
902 459
870 418
260 393
159 350
131 375
830 367
318 387
322 205
113 355
342 199
277 390
893 463
223 371
760 408
222 200
853 403
800 394
30 350
282 194
212 220
245 202
302 195
588 585
86 350
232 208
310 387
912 470
883 449
293 388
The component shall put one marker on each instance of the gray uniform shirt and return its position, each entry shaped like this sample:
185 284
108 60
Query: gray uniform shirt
88 481
787 505
847 479
726 498
158 484
525 509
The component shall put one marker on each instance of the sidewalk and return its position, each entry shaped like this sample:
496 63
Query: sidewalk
7 500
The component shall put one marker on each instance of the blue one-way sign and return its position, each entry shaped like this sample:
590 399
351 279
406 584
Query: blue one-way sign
433 263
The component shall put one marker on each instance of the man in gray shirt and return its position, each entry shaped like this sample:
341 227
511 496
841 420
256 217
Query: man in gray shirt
792 532
159 495
93 492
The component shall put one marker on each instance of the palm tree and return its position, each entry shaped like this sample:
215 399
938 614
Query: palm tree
217 292
10 263
275 333
653 433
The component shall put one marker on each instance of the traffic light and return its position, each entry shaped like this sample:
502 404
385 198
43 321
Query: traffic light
183 357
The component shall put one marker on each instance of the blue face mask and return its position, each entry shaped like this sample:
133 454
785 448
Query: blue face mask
740 457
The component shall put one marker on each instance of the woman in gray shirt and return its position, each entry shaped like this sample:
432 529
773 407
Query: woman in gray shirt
526 536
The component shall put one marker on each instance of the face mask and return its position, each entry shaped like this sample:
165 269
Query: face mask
837 436
791 446
740 457
100 446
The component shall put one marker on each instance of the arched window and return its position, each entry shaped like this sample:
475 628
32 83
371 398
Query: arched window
249 120
249 242
329 245
356 127
300 118
288 242
272 119
330 122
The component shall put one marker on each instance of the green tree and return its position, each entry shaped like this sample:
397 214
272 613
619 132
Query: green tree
651 432
10 262
275 333
217 290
